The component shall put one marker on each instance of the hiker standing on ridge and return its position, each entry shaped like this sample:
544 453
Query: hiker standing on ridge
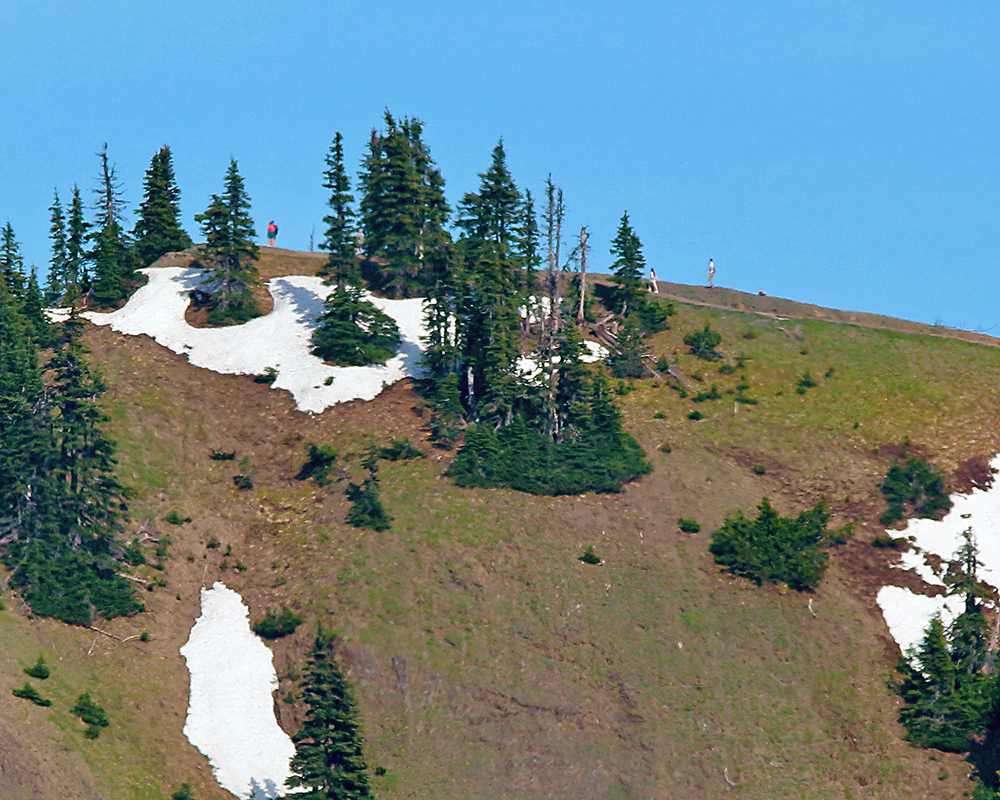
711 274
272 233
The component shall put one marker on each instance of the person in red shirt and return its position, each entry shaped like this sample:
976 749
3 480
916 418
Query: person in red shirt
272 233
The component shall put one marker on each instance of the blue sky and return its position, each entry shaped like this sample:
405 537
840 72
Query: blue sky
839 153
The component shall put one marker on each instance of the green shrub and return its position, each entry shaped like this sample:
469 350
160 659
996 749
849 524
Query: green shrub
92 715
354 332
219 455
666 448
213 543
772 548
274 626
727 369
174 518
133 554
712 394
39 670
598 460
268 376
913 488
29 692
758 469
184 793
695 415
806 381
367 510
702 343
688 525
318 464
588 556
659 415
662 364
399 450
886 541
243 482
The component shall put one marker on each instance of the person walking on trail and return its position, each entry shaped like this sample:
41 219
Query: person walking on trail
711 274
272 233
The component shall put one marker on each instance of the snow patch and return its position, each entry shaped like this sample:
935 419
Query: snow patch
231 708
908 614
280 340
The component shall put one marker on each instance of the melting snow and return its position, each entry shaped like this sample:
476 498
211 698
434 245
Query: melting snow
908 614
279 339
231 709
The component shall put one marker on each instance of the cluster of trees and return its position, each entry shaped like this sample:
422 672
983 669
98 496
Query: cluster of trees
98 258
949 683
61 506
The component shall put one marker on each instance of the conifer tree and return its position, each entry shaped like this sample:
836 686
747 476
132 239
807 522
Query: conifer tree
33 308
110 253
55 285
403 209
77 232
11 262
158 229
526 237
342 265
230 253
329 762
628 268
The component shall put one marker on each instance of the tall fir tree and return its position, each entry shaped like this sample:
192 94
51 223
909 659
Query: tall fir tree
11 262
77 233
341 235
329 762
403 210
628 267
110 252
230 252
158 228
56 284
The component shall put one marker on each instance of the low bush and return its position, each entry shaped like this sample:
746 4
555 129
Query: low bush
806 381
711 394
399 450
702 343
274 626
92 715
758 469
884 540
174 518
29 692
688 525
318 464
588 556
268 376
39 670
695 415
219 455
666 448
367 510
184 793
914 489
243 482
772 548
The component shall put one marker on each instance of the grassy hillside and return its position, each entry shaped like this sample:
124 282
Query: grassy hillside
489 662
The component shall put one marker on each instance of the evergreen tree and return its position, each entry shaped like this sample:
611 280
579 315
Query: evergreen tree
158 229
33 308
230 253
56 285
342 265
77 233
11 262
491 214
329 761
354 332
110 254
526 238
628 267
403 210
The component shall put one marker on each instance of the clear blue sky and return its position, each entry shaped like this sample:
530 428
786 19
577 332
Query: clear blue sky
840 153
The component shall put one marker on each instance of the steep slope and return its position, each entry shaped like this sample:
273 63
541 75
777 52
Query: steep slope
489 662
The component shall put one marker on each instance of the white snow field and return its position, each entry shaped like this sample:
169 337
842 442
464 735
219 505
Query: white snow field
279 339
231 709
907 614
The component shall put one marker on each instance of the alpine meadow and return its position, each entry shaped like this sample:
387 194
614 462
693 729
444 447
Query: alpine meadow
555 528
